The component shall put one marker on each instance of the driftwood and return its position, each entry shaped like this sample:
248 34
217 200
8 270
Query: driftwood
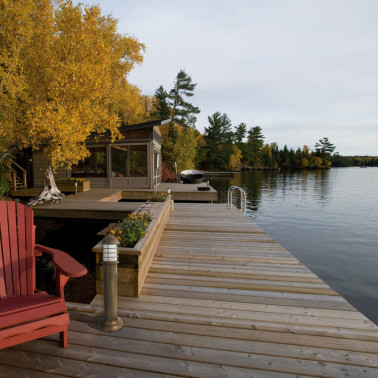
50 192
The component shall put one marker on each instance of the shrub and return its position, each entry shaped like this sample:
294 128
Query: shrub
158 197
133 228
4 187
166 174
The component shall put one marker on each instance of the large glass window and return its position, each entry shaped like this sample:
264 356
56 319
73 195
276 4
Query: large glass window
126 161
138 161
93 166
119 161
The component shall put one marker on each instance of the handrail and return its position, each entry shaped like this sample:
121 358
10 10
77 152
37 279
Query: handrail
15 175
18 166
243 198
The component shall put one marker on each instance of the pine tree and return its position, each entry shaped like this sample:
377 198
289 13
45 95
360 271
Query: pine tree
183 113
254 146
162 108
218 137
239 134
324 147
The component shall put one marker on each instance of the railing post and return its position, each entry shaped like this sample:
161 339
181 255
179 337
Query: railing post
14 181
110 322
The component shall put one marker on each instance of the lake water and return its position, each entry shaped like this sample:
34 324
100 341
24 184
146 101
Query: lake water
327 219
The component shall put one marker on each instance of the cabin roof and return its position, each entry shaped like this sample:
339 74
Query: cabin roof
144 125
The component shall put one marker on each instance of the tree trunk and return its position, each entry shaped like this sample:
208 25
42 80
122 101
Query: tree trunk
50 192
7 153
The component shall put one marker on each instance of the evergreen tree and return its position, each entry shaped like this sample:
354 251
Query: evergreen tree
239 134
162 108
163 111
254 146
183 113
218 138
324 147
284 160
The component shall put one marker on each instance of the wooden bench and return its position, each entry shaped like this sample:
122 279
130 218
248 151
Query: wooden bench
25 312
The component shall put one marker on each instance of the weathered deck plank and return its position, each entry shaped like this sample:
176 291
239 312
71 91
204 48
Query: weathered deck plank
222 299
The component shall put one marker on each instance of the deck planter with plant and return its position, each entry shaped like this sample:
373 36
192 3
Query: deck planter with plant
134 262
67 185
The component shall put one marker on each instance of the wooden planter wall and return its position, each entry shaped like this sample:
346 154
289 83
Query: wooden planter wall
69 187
134 263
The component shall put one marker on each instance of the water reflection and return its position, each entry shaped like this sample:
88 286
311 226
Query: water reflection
327 219
270 185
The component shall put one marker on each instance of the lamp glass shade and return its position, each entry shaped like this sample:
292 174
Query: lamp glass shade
109 253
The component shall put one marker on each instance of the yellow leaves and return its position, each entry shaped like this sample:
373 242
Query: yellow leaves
185 149
318 162
15 33
304 162
235 159
67 78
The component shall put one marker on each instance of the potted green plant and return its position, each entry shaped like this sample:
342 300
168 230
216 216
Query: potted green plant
132 229
158 197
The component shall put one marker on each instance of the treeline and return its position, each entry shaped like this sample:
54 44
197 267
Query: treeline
223 147
354 161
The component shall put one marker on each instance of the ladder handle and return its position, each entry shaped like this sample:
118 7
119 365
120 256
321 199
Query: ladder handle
243 198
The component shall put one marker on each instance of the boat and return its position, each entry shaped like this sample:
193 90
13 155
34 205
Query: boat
191 176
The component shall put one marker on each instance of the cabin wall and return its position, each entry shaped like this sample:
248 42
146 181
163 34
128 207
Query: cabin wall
98 182
150 137
40 166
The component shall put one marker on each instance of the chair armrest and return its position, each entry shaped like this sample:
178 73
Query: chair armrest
66 264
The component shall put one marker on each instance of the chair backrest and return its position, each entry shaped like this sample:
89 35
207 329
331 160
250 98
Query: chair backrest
17 242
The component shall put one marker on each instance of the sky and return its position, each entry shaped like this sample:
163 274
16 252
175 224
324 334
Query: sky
300 69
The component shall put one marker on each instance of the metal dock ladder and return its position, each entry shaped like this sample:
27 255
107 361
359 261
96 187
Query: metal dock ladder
243 198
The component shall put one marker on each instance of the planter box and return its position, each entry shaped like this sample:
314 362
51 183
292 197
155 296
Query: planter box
134 263
69 187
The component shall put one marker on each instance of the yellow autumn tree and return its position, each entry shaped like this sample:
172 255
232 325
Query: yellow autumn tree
74 67
15 34
185 148
235 159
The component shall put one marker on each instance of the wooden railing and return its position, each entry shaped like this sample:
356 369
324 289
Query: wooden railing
18 175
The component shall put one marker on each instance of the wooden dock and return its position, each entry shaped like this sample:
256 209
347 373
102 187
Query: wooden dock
179 191
222 299
92 204
107 203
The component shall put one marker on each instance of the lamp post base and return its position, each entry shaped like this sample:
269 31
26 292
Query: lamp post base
110 326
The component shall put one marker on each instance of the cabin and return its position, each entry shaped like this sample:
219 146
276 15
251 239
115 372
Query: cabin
133 162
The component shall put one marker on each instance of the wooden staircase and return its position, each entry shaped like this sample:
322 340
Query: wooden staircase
18 175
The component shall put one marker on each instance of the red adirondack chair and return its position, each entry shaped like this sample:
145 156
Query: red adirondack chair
26 313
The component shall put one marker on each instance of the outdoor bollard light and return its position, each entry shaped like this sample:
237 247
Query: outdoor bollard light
110 321
172 203
76 188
